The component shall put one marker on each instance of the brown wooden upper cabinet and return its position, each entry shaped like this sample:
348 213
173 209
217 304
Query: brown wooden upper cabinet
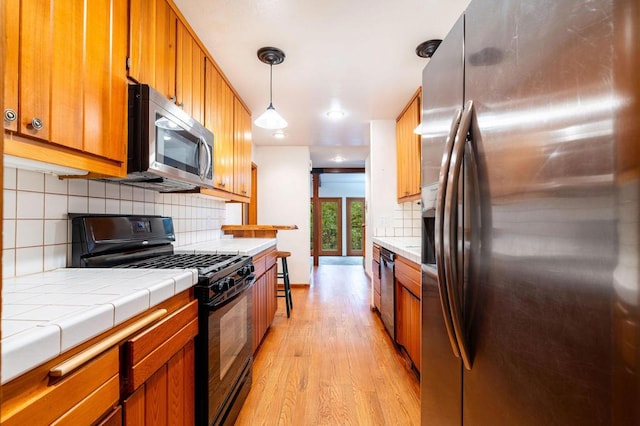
242 150
219 101
189 74
65 83
408 150
152 45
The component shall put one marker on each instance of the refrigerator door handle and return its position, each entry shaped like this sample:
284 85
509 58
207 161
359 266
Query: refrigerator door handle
438 237
449 233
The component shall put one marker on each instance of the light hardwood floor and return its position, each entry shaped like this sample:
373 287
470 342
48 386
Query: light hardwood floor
331 363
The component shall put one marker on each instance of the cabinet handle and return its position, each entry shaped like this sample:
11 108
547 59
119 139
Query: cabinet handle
10 115
36 123
222 184
91 352
181 105
173 99
244 192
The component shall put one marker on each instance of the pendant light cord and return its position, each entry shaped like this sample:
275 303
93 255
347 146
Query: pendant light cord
271 85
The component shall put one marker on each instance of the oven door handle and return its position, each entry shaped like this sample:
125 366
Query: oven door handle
218 303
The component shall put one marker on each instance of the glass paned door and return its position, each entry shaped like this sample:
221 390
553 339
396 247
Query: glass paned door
355 220
330 227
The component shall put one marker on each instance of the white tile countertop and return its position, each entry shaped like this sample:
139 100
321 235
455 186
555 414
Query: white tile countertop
46 314
407 247
242 246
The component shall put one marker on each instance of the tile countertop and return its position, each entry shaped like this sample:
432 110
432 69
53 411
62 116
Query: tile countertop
243 246
46 314
407 247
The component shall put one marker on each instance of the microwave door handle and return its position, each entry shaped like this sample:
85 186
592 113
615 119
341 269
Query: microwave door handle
202 171
440 237
209 158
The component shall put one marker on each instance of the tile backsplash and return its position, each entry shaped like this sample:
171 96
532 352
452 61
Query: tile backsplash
405 222
37 232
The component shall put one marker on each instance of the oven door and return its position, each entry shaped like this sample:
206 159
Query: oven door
224 357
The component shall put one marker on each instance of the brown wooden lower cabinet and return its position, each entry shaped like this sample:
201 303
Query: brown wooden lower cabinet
81 397
265 301
159 365
408 308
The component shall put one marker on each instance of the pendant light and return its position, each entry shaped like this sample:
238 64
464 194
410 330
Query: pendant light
270 119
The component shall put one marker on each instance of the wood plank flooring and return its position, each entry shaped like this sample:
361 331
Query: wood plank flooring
331 363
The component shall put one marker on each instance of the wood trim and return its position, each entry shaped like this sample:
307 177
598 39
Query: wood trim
252 214
99 401
316 219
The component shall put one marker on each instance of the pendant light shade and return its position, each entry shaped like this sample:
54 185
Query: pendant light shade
270 119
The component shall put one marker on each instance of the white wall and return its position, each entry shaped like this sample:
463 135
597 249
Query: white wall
383 200
283 199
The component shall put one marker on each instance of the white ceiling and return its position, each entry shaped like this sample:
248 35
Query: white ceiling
356 55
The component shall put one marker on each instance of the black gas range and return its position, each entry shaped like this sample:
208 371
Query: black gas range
224 349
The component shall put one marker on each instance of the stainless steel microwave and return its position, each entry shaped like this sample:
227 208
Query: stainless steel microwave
168 149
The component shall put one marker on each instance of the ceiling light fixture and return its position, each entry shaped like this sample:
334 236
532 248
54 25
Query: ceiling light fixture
335 114
270 119
278 134
338 159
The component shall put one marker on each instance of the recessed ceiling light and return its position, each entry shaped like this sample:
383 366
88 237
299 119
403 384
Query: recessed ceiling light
335 114
338 159
278 134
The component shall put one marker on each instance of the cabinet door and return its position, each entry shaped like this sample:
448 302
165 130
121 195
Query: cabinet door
408 326
36 50
165 55
11 58
219 119
67 117
242 150
142 40
408 151
105 82
189 74
152 45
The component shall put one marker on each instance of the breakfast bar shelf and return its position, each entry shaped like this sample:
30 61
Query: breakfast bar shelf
256 231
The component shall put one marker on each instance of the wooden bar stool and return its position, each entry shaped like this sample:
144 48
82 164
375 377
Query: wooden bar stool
284 274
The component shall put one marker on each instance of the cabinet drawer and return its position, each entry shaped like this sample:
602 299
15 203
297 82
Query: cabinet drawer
376 299
376 276
264 261
152 348
376 253
408 274
81 396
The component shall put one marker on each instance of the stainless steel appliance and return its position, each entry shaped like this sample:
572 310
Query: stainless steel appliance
531 313
167 149
224 353
388 291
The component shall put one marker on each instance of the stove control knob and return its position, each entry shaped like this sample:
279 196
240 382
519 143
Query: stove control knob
224 284
246 270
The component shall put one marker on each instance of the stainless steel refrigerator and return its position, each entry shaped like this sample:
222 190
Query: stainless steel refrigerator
531 194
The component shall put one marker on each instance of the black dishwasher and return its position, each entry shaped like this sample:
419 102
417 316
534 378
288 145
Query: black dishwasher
387 291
